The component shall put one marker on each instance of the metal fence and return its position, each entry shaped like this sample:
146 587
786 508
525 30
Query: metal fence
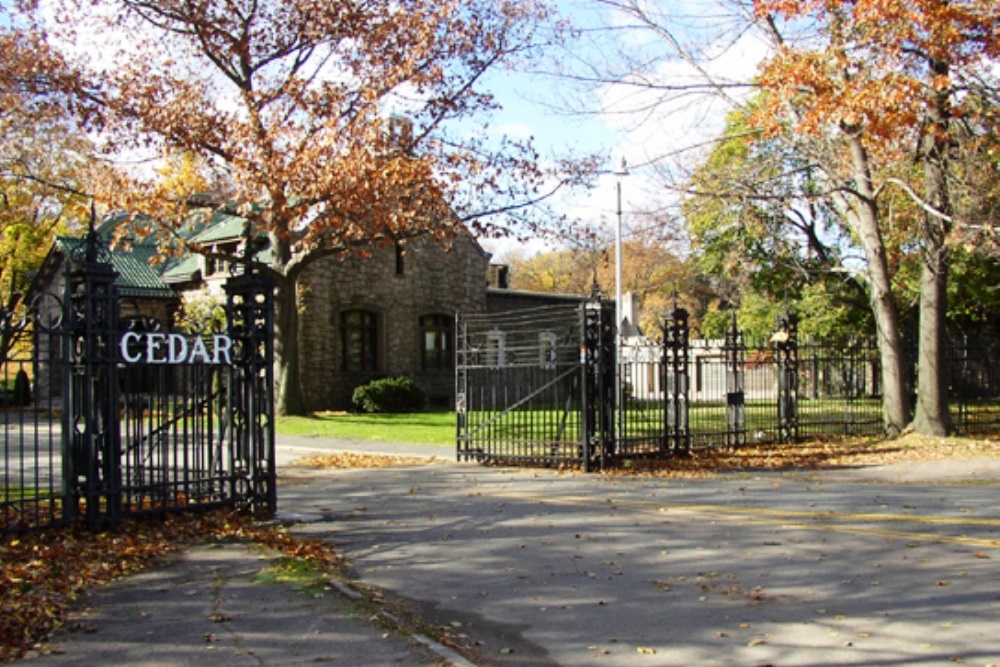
519 386
974 366
33 486
106 415
518 405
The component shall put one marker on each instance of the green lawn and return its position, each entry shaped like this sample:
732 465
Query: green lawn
703 419
542 424
436 428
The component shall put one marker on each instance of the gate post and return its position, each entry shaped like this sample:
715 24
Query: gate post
461 389
599 362
91 440
786 347
675 369
250 318
736 422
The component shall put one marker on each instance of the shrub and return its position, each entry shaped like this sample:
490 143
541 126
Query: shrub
398 394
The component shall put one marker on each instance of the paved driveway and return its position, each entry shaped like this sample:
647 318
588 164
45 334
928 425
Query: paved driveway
858 567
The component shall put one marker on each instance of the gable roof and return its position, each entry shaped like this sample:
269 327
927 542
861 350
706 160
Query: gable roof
136 278
204 226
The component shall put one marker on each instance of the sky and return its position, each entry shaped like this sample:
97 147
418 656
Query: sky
532 104
626 123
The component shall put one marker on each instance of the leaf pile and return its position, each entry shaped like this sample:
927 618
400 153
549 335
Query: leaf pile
812 455
43 573
352 460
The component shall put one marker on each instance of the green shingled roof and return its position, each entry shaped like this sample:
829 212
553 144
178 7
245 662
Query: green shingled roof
136 277
180 269
221 227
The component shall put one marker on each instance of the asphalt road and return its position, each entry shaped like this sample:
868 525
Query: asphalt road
876 566
880 566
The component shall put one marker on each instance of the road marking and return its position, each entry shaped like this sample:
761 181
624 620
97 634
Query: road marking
801 519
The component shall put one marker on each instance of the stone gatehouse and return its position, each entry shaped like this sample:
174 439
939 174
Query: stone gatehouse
388 312
391 312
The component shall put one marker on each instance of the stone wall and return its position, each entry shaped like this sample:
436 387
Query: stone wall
398 289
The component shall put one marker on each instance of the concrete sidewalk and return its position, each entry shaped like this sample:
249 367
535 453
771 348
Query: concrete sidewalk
896 565
208 607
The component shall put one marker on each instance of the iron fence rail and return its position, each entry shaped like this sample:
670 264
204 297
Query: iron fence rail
32 490
514 406
93 434
974 366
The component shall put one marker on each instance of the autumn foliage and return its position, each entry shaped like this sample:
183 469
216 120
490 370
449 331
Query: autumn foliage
43 574
888 102
334 126
872 68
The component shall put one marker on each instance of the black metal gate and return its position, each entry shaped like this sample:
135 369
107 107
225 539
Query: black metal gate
144 419
532 386
553 386
550 386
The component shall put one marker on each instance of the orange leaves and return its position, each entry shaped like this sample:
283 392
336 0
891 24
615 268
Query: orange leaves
284 100
810 455
790 8
350 460
42 574
872 65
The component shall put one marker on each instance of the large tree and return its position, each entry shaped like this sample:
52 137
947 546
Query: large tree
754 216
44 165
870 104
341 123
892 91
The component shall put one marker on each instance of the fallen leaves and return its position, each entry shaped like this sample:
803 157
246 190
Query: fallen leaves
42 574
353 460
811 455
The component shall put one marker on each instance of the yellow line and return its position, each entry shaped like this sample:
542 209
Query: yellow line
801 514
975 542
818 520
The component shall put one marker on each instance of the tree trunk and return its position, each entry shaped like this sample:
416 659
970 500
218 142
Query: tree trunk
931 417
288 399
862 213
895 398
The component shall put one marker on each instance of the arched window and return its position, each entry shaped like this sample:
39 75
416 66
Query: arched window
358 340
436 348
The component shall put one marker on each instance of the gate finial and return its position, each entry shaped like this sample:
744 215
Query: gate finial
595 289
91 240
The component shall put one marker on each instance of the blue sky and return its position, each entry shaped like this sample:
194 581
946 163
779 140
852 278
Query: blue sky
611 130
627 122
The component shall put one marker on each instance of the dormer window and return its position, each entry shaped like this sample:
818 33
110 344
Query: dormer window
215 265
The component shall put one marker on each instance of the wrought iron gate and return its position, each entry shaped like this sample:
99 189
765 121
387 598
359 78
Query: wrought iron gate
152 420
532 386
525 394
655 399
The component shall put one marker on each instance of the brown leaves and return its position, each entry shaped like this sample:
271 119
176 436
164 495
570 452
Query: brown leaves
810 455
42 574
287 101
871 69
352 460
